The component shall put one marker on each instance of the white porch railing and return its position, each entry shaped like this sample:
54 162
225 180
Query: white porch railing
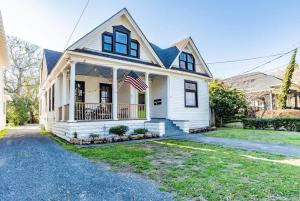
103 111
93 111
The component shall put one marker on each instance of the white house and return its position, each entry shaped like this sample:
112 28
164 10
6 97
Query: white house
82 89
4 63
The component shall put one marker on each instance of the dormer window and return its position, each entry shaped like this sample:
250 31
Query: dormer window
134 47
187 61
107 42
120 42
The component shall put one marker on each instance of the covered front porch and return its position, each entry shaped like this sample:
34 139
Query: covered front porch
98 93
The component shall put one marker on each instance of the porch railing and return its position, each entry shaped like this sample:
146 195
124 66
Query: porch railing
131 111
93 111
66 110
104 111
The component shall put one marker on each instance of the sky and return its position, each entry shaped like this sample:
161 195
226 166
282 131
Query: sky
222 29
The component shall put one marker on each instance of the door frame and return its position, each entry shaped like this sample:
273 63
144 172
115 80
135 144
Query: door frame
100 94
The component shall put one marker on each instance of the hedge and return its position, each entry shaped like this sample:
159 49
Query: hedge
280 123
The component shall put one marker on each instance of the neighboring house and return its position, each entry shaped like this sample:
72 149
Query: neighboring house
262 90
82 89
4 63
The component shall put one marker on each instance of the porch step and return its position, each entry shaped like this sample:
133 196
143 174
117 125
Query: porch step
170 128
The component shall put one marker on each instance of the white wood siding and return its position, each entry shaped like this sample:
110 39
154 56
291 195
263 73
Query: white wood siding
158 90
198 117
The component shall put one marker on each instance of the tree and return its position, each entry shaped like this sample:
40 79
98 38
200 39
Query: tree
287 81
22 78
18 111
226 102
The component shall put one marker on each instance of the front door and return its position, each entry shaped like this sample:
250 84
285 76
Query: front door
105 93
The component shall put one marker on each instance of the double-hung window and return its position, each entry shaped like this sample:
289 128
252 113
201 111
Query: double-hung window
121 43
190 93
187 61
53 96
107 42
134 48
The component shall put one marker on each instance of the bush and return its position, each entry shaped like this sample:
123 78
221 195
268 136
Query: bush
17 112
119 130
282 123
140 130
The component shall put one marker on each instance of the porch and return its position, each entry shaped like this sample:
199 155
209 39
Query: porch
98 93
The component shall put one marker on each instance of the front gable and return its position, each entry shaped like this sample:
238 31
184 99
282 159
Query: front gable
188 46
123 22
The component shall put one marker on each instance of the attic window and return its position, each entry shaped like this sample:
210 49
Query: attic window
187 61
107 39
134 47
121 44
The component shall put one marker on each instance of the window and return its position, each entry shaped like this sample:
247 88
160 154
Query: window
107 42
79 91
190 93
134 48
53 97
121 44
187 61
105 93
49 99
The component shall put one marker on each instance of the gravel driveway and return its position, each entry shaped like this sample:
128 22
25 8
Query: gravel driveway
34 168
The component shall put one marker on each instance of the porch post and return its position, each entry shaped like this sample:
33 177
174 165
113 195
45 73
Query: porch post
147 97
72 92
115 94
64 92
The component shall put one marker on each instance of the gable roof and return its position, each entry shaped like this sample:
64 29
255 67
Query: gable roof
167 55
122 12
51 58
252 82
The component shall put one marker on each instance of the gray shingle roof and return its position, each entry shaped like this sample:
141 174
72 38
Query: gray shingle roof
51 58
167 55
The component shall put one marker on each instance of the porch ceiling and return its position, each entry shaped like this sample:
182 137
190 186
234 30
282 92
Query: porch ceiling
93 70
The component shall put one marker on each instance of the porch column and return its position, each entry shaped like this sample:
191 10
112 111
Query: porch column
115 94
72 92
64 92
147 101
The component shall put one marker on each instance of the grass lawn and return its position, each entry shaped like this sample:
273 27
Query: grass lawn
198 171
259 135
3 132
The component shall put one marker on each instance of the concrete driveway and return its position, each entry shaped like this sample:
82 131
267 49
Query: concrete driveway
32 167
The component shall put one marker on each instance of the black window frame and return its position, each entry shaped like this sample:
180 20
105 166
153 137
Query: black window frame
186 62
76 91
49 99
190 90
137 48
114 42
53 96
126 44
110 99
105 43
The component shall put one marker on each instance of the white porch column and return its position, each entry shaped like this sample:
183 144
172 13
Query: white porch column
72 92
147 97
64 93
115 94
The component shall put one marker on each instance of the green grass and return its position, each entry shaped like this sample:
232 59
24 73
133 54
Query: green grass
3 132
44 132
201 172
271 136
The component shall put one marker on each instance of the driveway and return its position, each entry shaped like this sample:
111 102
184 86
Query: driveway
32 167
281 149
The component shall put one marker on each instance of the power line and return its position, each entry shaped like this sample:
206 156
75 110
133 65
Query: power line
270 61
254 58
247 59
82 12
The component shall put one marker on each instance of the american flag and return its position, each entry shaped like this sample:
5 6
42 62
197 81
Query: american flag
133 79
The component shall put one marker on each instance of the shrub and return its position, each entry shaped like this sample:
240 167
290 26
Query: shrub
282 123
17 112
140 130
119 130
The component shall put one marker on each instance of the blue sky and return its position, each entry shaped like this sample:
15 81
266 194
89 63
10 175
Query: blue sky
222 30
